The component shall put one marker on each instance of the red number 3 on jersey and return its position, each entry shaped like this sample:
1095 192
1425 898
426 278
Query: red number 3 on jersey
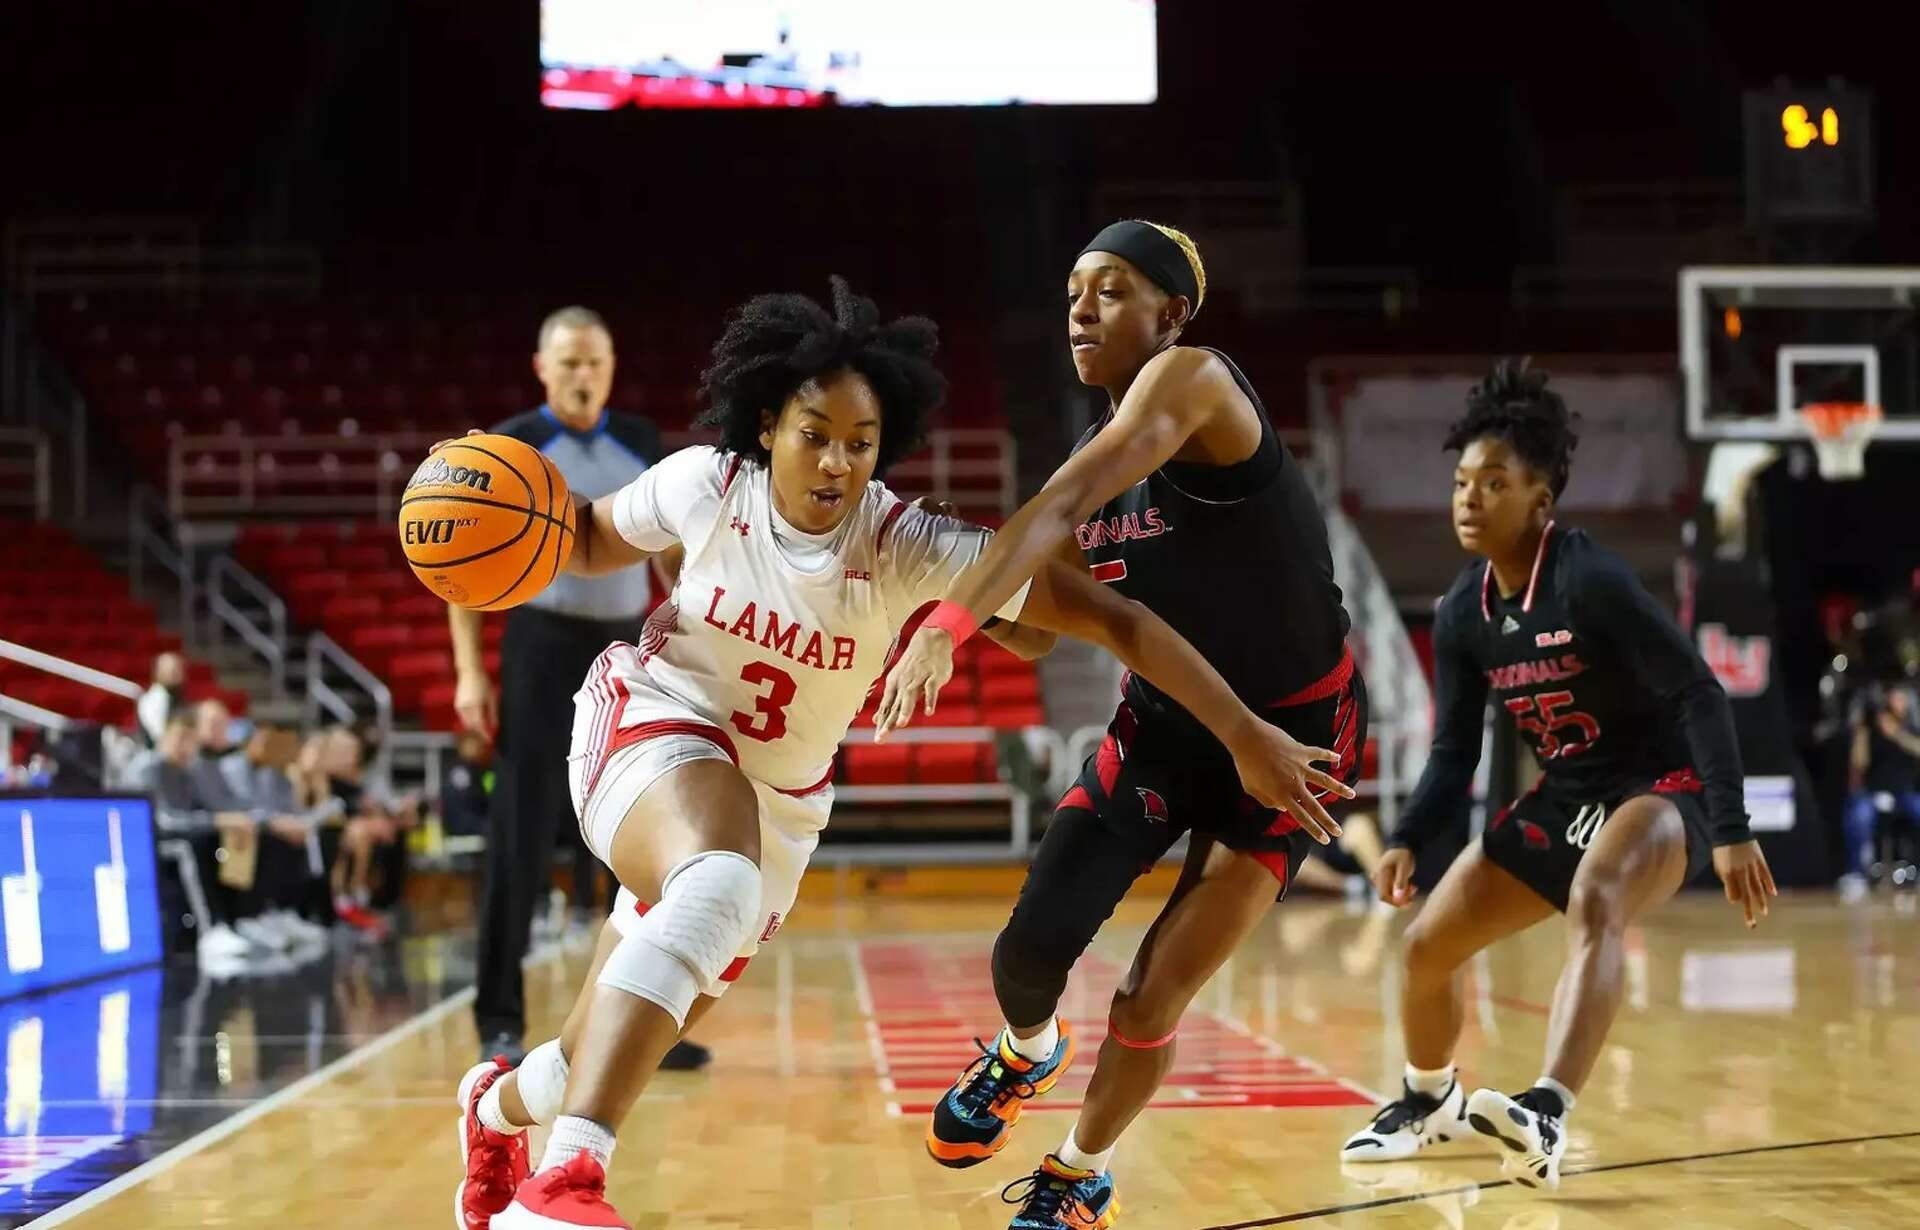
768 721
1553 716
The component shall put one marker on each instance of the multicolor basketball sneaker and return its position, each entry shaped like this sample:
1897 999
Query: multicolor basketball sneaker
1056 1195
496 1164
973 1120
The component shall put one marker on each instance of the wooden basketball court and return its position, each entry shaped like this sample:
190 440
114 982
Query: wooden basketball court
1754 1080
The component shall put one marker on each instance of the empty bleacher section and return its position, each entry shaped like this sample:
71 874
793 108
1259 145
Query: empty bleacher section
77 609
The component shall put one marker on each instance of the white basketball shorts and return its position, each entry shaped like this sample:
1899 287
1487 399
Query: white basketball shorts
606 784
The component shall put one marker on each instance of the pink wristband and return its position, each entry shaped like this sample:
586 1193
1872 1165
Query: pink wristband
953 619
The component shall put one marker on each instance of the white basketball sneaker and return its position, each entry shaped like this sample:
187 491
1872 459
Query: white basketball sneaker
1410 1123
1531 1140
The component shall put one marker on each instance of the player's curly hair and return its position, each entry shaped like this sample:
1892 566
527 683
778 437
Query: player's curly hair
1514 404
773 344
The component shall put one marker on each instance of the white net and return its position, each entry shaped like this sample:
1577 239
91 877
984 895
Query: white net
1840 432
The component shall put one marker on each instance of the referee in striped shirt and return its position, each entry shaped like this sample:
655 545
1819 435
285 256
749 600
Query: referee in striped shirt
550 643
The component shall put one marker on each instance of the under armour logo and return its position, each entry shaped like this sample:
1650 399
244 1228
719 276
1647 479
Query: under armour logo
1509 625
738 524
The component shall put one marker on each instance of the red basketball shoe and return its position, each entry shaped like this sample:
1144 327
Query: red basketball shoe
563 1198
496 1164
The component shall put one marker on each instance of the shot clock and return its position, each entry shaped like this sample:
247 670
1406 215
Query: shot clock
1809 154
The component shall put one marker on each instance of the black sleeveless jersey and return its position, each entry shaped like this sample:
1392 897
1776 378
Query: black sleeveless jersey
1595 676
1234 557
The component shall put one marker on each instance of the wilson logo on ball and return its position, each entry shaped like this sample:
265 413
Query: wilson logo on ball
437 471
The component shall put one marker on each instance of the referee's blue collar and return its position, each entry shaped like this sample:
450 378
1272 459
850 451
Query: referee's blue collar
585 437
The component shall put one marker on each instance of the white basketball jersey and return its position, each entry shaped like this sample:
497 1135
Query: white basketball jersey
775 636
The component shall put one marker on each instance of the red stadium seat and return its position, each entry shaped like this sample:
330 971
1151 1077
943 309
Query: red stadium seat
877 764
953 763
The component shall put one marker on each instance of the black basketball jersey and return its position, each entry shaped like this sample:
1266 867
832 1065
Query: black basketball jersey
1234 557
1597 678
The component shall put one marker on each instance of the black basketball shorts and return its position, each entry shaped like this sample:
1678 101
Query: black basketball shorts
1156 775
1541 836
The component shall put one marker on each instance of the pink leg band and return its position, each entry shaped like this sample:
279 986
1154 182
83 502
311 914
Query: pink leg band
1130 1044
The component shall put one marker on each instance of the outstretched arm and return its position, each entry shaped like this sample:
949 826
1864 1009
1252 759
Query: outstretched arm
1274 768
1172 397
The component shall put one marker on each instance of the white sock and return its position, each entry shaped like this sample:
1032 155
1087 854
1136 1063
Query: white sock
1078 1158
1558 1090
1038 1048
491 1116
1434 1083
570 1135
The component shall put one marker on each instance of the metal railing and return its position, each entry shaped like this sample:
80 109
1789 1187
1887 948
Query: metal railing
363 474
26 471
55 665
322 697
181 269
270 642
963 453
150 538
421 755
1387 291
16 711
356 475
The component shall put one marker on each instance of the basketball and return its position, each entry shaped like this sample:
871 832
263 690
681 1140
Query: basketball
486 522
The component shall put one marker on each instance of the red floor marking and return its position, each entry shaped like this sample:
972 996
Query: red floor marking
927 1005
1521 1005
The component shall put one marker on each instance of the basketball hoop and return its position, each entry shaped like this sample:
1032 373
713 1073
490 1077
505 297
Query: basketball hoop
1840 431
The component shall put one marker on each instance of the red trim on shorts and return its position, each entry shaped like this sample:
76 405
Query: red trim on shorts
610 696
1107 762
734 967
1346 751
1275 861
733 469
627 736
1680 781
825 781
1323 687
886 523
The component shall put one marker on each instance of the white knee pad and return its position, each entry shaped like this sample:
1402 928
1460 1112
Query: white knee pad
543 1082
706 915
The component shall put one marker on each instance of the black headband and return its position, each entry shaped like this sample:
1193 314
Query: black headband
1150 251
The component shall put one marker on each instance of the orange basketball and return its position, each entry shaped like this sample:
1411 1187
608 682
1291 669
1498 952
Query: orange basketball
486 522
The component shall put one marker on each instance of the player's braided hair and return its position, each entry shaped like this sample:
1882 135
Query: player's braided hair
1514 404
773 344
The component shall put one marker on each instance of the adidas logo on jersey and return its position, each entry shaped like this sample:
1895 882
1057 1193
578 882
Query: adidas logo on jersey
1509 626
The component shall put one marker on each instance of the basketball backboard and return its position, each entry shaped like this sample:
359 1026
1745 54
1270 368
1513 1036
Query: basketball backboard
1759 342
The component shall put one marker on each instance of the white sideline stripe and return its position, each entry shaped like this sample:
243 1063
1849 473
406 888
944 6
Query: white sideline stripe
258 1110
